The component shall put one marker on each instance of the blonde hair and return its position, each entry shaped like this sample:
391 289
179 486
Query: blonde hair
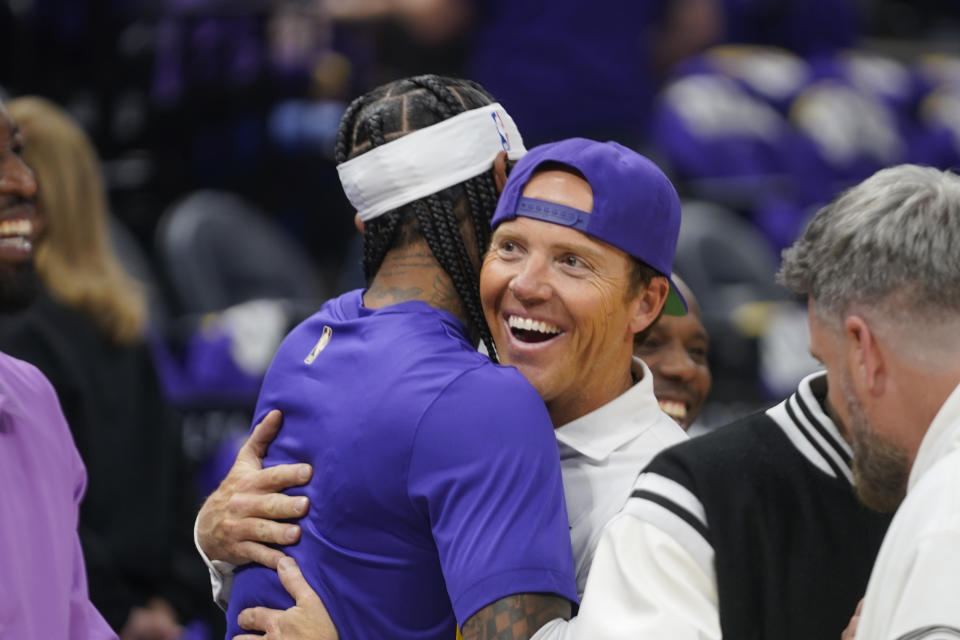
74 258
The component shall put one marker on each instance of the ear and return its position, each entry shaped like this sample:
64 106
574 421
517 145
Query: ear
500 171
645 307
358 223
866 357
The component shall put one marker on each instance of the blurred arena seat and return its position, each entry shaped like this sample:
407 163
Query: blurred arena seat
137 263
219 250
721 129
241 282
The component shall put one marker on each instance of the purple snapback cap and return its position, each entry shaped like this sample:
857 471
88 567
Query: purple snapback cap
635 207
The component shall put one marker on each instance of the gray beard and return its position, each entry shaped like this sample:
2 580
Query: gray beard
880 470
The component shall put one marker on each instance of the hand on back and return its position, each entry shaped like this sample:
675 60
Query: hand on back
239 520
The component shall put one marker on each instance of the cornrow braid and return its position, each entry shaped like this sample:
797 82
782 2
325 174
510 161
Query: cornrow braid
449 105
341 150
482 196
439 227
389 112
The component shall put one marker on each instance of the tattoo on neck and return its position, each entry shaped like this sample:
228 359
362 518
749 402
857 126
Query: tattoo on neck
394 295
444 295
400 265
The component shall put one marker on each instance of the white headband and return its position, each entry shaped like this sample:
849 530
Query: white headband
429 160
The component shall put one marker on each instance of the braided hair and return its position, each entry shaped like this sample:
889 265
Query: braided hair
394 110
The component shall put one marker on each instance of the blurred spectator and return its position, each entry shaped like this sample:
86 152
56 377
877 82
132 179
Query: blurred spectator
44 583
246 98
676 350
85 332
565 68
574 68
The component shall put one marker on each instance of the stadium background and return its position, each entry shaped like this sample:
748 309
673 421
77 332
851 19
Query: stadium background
215 121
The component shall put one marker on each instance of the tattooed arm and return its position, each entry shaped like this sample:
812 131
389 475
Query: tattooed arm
515 617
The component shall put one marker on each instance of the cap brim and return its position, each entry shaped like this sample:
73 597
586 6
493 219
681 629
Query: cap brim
675 304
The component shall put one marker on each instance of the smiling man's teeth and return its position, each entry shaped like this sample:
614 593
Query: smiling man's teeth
676 410
16 242
18 227
528 324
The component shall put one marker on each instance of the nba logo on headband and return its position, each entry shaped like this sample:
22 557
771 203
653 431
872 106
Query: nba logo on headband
501 130
428 160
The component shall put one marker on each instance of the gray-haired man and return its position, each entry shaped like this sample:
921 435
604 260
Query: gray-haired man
881 269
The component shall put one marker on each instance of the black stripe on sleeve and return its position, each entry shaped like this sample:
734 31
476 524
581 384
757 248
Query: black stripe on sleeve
673 508
816 445
823 432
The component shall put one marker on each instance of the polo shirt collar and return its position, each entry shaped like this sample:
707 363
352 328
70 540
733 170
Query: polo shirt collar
601 432
942 437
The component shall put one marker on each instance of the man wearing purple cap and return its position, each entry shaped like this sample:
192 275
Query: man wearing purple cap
584 234
579 263
43 583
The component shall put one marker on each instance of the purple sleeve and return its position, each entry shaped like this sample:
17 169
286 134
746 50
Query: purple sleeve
65 569
43 584
486 472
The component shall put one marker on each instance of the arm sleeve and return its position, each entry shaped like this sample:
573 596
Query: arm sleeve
643 584
927 603
221 574
486 472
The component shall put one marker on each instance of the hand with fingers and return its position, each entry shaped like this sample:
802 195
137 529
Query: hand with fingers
307 619
240 519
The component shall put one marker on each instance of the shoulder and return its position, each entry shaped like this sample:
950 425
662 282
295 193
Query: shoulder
932 503
488 409
675 491
27 394
724 469
333 328
52 337
498 378
19 332
24 381
497 394
732 446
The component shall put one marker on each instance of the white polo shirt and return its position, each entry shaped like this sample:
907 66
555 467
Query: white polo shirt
601 455
914 589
